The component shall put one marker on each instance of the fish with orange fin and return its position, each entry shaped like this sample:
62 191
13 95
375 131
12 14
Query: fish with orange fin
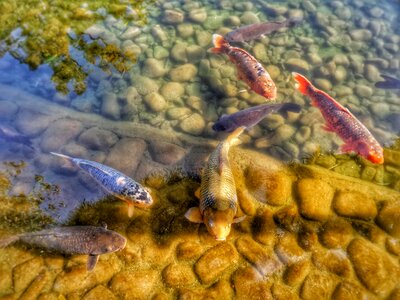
340 120
248 68
217 194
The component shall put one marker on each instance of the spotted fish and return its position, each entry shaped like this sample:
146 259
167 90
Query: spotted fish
114 182
218 199
249 69
90 240
340 120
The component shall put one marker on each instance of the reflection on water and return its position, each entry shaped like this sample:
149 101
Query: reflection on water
132 86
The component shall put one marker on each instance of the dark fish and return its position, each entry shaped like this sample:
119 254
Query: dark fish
255 31
10 134
114 182
90 240
251 116
389 83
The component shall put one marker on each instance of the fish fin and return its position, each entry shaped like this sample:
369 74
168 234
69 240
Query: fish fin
219 44
327 128
233 138
346 148
130 209
286 107
303 84
239 219
92 261
194 215
7 241
69 159
197 193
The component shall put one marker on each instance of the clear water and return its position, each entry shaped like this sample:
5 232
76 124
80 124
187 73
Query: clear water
115 67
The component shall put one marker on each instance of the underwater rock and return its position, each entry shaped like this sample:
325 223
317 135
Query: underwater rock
340 74
195 54
84 104
125 155
283 133
95 31
323 84
381 110
334 261
312 207
130 33
296 272
349 291
59 133
260 52
295 14
194 124
185 30
172 91
336 233
99 292
155 102
249 17
8 110
173 16
166 153
297 65
178 52
249 284
110 107
160 52
96 138
198 15
282 292
213 263
178 113
178 275
318 285
363 91
134 284
389 218
144 85
264 228
273 71
372 73
182 73
203 38
26 272
302 134
288 250
31 123
360 35
264 262
188 250
355 205
366 257
36 286
153 68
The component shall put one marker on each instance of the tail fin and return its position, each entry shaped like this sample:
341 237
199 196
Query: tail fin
69 160
286 107
219 44
61 155
233 138
7 241
303 84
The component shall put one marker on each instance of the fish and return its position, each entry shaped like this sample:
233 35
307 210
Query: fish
10 134
340 120
114 182
248 68
255 31
217 194
251 116
388 83
91 240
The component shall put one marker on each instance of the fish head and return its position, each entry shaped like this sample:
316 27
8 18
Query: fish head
224 123
372 152
140 197
270 90
107 242
218 222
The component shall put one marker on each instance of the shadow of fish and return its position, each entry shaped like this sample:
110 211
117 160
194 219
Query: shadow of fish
90 240
389 83
255 31
10 134
251 116
114 182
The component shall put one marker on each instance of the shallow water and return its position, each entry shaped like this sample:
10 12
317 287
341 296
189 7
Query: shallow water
131 85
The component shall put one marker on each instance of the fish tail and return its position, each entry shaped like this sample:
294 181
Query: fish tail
287 107
303 84
70 160
233 138
7 241
219 44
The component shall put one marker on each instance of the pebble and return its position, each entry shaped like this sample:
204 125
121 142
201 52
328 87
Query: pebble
213 263
194 124
260 52
203 38
185 30
288 250
198 15
249 17
166 153
59 133
334 261
155 102
360 35
95 31
178 53
381 109
366 257
273 71
348 290
318 285
364 91
126 154
315 208
296 14
376 12
265 263
32 124
173 17
213 22
183 73
389 218
178 275
297 65
372 73
134 284
96 138
110 107
24 273
296 272
144 85
99 292
248 284
160 52
153 68
159 33
355 205
172 91
8 110
195 53
130 33
188 250
282 133
323 84
336 233
303 134
348 168
178 113
264 228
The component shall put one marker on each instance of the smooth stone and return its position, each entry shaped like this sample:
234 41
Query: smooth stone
309 6
296 14
126 154
24 273
296 272
282 292
389 218
95 31
32 124
178 275
84 104
366 257
178 53
166 153
144 85
193 124
213 263
144 282
315 59
315 208
364 91
336 233
97 139
393 246
288 250
303 134
349 168
188 250
130 33
153 68
297 64
249 284
185 30
203 38
178 113
173 17
213 22
172 91
59 133
334 261
360 35
264 228
198 15
160 52
340 74
342 90
265 263
8 110
376 12
155 102
350 291
110 107
318 285
323 84
273 71
195 53
372 73
355 205
100 292
260 52
159 33
183 73
283 133
249 17
381 110
233 21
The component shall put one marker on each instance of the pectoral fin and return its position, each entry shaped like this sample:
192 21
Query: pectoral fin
130 210
92 261
239 219
197 193
194 215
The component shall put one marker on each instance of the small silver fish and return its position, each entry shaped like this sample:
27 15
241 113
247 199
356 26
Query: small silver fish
255 31
90 240
114 182
251 116
10 134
